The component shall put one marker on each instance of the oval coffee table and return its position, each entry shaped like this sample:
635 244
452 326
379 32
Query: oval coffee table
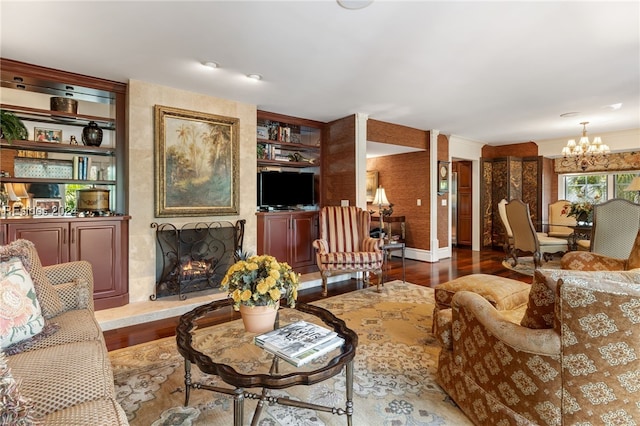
245 365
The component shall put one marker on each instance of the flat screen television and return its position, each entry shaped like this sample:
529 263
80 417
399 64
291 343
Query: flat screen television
285 189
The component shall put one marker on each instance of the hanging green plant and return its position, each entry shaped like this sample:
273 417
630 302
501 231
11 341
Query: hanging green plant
11 127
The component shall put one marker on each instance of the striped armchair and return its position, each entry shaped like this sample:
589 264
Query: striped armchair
345 245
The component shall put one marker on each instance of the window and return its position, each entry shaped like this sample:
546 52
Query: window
589 187
597 187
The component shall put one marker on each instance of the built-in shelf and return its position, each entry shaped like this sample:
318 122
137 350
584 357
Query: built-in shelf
57 147
59 117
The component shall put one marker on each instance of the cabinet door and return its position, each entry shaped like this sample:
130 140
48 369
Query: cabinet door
101 244
304 232
50 239
275 230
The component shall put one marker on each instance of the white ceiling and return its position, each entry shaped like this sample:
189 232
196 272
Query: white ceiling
495 72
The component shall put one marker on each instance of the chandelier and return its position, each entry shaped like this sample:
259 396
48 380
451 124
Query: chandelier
584 153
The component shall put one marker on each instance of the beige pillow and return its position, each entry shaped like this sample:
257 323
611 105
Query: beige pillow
540 311
50 302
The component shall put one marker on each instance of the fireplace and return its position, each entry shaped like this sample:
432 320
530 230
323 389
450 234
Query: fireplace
194 256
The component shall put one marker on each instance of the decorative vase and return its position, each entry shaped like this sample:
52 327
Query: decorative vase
92 134
259 319
582 217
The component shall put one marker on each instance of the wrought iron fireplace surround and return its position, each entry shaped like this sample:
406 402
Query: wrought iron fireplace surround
195 256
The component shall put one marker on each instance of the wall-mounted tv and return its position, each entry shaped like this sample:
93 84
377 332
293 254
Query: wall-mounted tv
285 189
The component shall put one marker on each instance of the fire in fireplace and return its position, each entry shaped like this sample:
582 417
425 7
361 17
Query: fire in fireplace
195 256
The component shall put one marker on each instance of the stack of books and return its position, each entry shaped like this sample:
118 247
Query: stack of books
300 342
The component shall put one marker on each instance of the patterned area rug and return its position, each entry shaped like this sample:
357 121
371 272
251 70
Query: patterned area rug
525 265
394 383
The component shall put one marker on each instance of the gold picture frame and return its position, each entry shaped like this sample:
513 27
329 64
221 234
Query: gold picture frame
372 184
197 163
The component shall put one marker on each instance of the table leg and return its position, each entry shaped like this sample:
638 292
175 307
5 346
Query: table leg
349 379
187 381
403 267
238 407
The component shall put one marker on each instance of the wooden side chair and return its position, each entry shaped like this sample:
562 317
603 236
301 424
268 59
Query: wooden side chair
525 238
345 245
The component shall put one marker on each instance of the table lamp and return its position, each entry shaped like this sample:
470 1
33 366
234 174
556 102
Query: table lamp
635 186
380 200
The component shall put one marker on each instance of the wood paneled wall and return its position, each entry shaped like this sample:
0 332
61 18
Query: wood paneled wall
525 149
338 162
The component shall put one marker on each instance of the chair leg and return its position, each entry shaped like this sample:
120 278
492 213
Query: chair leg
324 285
380 282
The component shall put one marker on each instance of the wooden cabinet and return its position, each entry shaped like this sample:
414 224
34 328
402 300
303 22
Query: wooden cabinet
103 242
288 236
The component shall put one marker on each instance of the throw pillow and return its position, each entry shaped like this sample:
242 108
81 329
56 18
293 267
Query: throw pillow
540 311
19 308
48 298
634 257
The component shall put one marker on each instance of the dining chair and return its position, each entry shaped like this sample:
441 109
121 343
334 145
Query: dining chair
559 222
345 245
508 243
615 225
525 238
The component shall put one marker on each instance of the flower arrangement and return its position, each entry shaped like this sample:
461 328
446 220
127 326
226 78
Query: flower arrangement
259 281
581 210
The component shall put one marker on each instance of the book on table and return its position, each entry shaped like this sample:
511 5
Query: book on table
299 341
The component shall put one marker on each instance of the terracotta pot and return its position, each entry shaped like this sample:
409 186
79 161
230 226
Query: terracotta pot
259 319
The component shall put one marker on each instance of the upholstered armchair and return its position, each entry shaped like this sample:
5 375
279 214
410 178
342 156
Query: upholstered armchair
559 222
567 356
588 261
525 237
508 243
345 246
615 225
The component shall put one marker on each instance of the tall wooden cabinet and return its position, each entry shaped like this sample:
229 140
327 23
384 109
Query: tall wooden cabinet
58 233
288 236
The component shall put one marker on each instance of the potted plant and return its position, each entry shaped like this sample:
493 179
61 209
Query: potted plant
11 127
256 284
582 211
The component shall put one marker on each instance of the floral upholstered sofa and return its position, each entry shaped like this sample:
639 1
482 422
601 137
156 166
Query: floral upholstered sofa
566 352
54 347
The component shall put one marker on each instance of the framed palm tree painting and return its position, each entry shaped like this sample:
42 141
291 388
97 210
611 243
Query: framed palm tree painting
196 160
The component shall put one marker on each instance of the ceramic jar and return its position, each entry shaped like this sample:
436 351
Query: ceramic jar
92 134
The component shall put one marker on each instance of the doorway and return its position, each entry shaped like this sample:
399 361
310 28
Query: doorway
461 203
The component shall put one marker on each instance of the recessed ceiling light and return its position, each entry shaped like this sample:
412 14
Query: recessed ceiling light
354 4
256 77
211 64
569 114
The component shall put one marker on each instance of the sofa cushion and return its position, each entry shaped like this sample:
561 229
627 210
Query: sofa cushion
20 314
502 293
540 311
61 376
16 409
99 412
50 302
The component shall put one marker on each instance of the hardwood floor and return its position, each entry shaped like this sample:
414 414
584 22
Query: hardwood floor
462 262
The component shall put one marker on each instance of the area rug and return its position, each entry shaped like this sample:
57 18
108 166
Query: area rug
395 366
525 265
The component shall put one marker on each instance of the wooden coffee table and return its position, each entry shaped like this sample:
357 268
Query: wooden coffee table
263 370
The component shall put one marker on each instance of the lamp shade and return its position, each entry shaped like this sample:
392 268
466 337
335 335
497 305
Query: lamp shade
633 186
380 198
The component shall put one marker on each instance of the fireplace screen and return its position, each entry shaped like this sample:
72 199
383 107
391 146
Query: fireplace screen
195 256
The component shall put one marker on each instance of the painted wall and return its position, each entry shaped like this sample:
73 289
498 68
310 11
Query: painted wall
143 97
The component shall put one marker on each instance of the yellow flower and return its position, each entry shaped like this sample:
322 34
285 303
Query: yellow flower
275 294
262 287
270 282
252 266
245 295
274 273
236 295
